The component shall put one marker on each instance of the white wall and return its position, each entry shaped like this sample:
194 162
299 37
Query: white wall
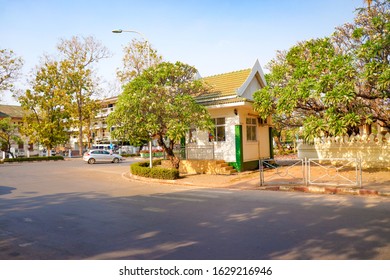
224 150
253 86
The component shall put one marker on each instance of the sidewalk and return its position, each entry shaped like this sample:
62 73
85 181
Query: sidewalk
372 185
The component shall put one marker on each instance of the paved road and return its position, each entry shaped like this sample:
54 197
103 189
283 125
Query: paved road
72 210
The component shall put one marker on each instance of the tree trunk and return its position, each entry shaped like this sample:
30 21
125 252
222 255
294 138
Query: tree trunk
279 144
175 161
80 140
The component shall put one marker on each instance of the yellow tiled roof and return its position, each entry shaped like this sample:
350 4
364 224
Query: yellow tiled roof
227 83
223 88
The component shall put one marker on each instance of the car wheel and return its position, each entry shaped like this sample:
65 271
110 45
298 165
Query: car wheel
115 160
91 161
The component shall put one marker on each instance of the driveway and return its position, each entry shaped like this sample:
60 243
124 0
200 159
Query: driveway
72 210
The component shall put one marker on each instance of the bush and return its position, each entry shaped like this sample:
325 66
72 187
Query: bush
142 169
21 159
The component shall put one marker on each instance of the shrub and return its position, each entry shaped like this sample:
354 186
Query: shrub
21 159
142 169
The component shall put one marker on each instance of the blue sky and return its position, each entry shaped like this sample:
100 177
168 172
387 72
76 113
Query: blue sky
214 36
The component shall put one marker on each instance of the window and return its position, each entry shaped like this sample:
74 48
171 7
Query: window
251 129
262 121
218 134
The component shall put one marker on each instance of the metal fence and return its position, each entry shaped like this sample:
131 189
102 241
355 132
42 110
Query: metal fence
329 172
205 152
334 172
282 171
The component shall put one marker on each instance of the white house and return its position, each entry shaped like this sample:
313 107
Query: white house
240 137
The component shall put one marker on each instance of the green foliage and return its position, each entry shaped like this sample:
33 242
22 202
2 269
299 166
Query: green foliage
10 66
160 103
142 169
44 105
8 134
61 92
310 86
79 56
23 159
367 39
331 86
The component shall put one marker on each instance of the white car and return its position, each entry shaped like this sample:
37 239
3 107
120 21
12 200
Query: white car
93 156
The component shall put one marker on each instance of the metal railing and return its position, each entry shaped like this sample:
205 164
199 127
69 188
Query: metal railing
334 172
328 171
290 171
205 152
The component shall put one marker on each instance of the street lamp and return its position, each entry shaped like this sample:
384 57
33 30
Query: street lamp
117 31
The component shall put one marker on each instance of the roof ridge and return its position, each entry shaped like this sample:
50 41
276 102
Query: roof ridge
216 75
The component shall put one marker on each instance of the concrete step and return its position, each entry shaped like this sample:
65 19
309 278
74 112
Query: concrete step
229 172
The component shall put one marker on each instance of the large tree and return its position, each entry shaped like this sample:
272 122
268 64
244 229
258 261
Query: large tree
311 85
46 120
160 103
367 39
331 86
10 66
79 56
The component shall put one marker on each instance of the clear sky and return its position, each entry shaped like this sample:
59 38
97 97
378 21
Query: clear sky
214 36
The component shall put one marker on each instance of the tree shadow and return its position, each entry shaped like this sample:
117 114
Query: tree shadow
193 224
6 190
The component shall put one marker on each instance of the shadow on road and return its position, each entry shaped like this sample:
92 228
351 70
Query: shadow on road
6 190
192 224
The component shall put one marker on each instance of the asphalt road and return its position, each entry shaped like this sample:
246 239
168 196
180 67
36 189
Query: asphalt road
72 210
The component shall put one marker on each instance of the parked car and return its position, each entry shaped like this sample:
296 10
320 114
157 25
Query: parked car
19 153
93 156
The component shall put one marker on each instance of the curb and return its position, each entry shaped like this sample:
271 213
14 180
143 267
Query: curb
305 189
327 190
131 177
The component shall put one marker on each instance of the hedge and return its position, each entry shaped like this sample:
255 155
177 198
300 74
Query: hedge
142 169
21 159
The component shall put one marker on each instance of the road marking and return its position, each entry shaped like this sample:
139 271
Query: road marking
155 210
26 244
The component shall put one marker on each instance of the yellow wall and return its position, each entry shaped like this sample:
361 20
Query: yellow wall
253 150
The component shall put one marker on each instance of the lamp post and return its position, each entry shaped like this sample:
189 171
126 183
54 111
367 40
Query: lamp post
148 65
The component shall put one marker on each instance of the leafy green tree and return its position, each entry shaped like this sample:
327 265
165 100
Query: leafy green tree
136 59
331 86
367 39
160 103
10 66
46 120
312 86
8 134
79 58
